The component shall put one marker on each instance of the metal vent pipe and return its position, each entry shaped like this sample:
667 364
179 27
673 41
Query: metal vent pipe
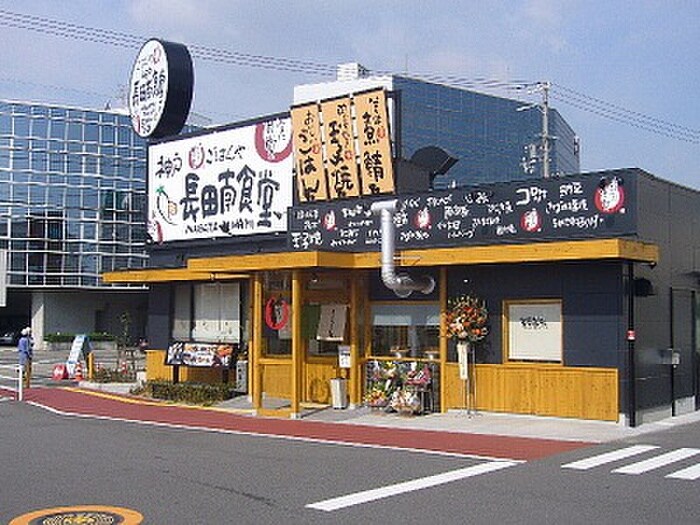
401 284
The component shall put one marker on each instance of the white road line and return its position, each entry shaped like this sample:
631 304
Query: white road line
690 473
659 461
366 496
609 457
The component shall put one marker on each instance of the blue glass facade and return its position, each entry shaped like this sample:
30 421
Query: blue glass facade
72 195
493 138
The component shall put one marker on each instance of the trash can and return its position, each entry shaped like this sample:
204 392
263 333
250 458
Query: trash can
339 392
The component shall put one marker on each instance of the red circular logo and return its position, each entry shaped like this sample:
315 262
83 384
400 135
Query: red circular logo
196 156
610 196
273 140
530 221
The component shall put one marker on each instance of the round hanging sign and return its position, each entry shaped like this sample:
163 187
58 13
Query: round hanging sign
160 89
276 313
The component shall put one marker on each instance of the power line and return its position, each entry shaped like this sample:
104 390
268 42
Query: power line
636 123
621 114
561 93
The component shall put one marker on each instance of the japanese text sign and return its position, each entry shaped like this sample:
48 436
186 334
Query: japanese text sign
376 171
341 167
235 181
311 177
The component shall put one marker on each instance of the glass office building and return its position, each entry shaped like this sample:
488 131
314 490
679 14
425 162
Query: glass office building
72 205
494 139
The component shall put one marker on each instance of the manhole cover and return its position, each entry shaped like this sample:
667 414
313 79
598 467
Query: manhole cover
80 515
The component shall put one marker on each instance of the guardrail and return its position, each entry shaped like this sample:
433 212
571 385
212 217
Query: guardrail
19 373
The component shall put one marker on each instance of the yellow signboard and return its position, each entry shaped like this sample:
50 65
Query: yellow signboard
308 154
372 121
341 167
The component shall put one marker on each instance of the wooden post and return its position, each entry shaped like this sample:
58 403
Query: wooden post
355 368
255 367
297 350
91 366
443 339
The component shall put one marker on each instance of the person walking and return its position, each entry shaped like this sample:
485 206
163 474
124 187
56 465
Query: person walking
25 347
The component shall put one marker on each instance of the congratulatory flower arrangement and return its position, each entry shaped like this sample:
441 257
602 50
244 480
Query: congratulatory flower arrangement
466 318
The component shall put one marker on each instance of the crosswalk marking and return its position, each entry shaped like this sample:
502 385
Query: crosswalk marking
690 473
609 457
658 461
366 496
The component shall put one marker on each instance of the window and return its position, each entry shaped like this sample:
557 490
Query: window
38 159
412 329
39 127
75 131
216 312
21 126
5 124
92 132
534 330
108 135
56 162
58 129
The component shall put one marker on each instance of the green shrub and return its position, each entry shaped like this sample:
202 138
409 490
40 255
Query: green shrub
192 393
60 337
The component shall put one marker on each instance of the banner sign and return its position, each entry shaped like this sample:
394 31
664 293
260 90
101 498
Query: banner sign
341 166
376 168
577 206
205 355
343 150
308 154
236 181
331 324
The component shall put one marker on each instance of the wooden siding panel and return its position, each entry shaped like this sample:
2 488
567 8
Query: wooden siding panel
277 379
317 388
585 393
156 370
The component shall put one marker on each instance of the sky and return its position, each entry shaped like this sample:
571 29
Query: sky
624 74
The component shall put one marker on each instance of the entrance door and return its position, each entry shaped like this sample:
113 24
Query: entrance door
683 375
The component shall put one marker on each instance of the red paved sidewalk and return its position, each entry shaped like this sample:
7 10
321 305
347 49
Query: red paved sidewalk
127 408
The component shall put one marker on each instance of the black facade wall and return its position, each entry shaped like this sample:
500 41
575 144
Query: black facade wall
592 305
176 254
159 313
668 216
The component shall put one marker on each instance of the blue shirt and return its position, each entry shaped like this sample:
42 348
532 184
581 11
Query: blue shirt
24 347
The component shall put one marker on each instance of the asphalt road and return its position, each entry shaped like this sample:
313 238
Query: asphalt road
174 476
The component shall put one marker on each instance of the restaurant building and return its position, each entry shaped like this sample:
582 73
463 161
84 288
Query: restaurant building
571 296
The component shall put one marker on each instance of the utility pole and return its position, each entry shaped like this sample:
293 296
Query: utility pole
544 86
545 137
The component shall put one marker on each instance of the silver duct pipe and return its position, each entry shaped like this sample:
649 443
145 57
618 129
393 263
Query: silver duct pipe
402 284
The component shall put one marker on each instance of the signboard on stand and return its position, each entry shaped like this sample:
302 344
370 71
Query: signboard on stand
203 355
344 360
78 350
463 359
